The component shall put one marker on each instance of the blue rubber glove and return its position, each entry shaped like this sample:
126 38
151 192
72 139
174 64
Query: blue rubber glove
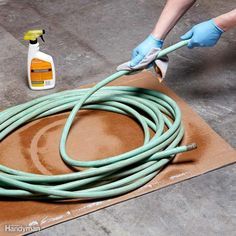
205 34
144 48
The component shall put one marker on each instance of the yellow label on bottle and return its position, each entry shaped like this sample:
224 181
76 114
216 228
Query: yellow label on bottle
40 73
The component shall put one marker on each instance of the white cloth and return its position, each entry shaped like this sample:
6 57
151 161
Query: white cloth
160 65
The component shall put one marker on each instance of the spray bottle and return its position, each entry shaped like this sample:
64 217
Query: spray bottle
41 70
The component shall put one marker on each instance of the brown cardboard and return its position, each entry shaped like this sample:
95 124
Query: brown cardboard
95 135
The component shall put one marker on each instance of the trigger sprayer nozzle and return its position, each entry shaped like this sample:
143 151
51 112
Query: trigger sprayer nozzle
32 35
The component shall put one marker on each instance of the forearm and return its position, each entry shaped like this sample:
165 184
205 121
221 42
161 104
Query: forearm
227 20
172 12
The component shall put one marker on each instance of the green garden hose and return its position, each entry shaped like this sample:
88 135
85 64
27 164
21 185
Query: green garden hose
109 177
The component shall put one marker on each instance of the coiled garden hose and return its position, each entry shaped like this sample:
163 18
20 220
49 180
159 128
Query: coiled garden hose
102 178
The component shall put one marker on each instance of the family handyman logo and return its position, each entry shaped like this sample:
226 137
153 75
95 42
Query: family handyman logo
21 228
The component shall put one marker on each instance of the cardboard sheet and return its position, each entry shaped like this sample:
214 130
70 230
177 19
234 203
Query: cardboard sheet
96 135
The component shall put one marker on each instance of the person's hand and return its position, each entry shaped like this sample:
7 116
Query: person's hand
205 34
144 48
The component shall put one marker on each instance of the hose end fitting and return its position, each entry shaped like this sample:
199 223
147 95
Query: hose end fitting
191 146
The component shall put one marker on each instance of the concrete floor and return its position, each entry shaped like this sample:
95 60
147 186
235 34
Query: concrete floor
88 39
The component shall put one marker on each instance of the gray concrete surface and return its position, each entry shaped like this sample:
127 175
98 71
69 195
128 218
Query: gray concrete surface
88 39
